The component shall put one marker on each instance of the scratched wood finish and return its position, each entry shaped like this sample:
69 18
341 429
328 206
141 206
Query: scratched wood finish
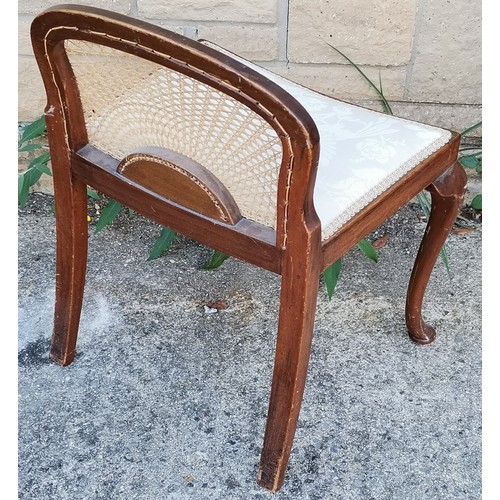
293 250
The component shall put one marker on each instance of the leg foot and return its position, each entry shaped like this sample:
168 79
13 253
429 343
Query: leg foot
447 193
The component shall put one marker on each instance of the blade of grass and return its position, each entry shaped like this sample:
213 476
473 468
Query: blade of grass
426 207
471 129
163 243
385 104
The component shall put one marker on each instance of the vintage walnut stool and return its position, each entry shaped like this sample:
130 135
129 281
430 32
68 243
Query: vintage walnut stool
237 158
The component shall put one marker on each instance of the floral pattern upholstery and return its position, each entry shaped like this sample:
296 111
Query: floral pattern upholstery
362 152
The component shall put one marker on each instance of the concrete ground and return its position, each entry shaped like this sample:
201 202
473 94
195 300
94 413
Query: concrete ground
167 401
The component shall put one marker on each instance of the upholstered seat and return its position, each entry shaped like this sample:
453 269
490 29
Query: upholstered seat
363 152
237 158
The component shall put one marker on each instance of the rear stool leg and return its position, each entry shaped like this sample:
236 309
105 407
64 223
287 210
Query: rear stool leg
447 193
299 291
71 263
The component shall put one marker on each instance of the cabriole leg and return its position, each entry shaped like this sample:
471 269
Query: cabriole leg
447 193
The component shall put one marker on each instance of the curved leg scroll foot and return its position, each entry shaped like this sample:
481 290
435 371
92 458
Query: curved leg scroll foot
447 193
422 333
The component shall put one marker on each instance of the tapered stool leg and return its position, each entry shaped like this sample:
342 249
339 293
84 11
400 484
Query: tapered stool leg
299 291
447 193
71 263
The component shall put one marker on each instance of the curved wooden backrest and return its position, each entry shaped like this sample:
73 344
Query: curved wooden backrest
67 122
181 180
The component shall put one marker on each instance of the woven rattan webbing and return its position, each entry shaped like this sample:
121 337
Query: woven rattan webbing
130 102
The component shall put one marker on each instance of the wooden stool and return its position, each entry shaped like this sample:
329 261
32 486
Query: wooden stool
228 154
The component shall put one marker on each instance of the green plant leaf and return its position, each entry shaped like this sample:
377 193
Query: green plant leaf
44 158
368 249
331 276
471 129
385 103
29 147
477 202
34 129
42 167
469 161
109 212
29 178
479 167
217 260
32 176
91 193
22 191
23 196
162 243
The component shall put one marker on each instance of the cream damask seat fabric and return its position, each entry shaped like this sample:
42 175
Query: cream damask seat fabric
363 152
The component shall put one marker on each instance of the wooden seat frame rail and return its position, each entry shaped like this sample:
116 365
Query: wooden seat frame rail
294 249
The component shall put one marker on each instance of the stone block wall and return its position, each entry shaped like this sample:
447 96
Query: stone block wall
426 53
